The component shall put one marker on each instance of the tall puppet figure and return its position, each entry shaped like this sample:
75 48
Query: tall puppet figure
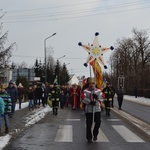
92 96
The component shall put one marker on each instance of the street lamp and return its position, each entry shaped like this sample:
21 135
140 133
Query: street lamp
61 57
45 55
58 68
67 64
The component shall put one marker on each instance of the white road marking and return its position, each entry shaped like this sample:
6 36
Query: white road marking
101 137
113 119
72 119
64 134
126 134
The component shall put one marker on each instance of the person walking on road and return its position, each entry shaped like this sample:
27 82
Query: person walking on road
30 94
113 94
20 94
54 96
92 98
6 104
38 94
44 94
120 94
13 92
108 98
85 86
1 112
74 96
136 91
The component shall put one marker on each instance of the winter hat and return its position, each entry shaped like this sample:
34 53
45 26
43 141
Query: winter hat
11 82
3 86
20 85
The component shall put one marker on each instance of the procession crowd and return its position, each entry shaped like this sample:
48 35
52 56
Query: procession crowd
87 97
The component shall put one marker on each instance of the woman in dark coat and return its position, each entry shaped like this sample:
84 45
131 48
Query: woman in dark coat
38 94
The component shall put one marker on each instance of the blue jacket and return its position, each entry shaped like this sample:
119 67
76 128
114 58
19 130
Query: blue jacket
13 92
7 102
1 106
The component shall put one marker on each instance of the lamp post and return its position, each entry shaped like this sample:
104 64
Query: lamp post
59 68
45 55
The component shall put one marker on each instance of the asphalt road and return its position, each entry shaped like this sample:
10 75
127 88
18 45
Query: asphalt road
140 111
67 131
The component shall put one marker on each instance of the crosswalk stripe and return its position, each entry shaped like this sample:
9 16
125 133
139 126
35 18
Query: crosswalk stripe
126 134
64 134
113 120
72 119
101 137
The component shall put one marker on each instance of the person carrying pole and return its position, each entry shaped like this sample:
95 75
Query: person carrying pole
92 97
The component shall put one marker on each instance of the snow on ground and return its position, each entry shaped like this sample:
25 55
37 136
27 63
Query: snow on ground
35 117
141 100
40 113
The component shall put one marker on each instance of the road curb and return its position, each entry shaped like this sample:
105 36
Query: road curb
135 121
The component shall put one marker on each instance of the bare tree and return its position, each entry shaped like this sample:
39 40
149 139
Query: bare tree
132 59
142 46
23 65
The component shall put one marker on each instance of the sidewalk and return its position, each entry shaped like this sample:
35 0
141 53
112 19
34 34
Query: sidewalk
21 120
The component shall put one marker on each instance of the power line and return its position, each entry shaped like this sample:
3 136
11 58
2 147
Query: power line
75 4
80 12
43 57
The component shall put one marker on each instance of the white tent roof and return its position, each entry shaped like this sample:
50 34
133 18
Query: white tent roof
74 80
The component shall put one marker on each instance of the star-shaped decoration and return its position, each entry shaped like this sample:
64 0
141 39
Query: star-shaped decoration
95 51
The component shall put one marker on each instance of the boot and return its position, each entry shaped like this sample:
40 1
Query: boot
7 130
0 131
53 111
56 112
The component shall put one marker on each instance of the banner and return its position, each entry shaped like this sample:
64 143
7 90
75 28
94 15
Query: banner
99 75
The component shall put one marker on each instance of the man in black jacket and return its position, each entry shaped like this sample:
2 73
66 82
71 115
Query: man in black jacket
120 94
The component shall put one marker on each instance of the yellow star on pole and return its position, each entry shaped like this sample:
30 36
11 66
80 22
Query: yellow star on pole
95 51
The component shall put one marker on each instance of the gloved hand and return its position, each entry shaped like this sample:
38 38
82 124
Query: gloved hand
93 103
2 115
95 96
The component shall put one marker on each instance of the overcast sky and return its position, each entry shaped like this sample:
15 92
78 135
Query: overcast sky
30 22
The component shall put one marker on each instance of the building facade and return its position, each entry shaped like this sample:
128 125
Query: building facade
23 72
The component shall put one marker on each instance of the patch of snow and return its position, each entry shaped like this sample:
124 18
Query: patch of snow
38 115
4 140
141 100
